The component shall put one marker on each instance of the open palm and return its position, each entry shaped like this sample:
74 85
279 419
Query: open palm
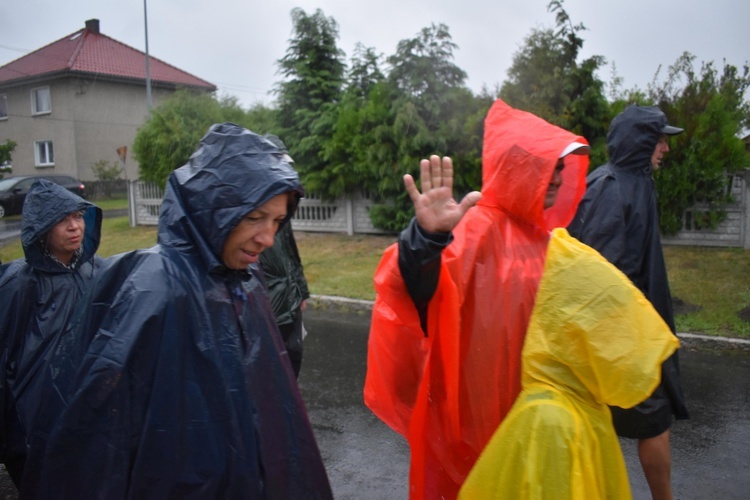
435 208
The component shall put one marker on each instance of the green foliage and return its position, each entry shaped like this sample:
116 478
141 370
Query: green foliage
361 128
261 119
174 130
546 79
313 73
709 105
423 67
6 151
427 110
105 170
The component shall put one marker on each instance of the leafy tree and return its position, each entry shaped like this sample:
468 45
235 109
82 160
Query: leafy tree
345 152
313 73
261 119
364 72
427 110
6 151
709 104
546 79
174 130
105 170
106 173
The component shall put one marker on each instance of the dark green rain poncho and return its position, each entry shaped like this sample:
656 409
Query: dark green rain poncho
39 296
618 216
183 389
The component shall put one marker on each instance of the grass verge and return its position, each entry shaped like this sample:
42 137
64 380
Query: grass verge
710 285
111 203
714 283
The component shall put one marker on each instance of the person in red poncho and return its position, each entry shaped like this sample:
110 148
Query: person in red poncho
455 294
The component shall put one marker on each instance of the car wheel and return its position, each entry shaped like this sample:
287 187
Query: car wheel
2 211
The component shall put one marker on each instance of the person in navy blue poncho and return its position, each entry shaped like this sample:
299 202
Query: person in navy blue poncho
175 382
60 234
619 217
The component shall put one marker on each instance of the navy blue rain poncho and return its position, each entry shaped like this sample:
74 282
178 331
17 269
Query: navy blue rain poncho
184 389
618 216
39 296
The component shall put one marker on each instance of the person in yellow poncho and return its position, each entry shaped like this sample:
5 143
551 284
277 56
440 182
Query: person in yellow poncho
593 340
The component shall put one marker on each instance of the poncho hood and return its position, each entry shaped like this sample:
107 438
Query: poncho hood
520 153
47 204
632 137
592 333
233 172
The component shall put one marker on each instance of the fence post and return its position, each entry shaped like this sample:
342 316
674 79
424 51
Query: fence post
349 215
746 211
131 202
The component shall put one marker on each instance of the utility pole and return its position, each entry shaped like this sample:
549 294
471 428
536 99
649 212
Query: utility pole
149 102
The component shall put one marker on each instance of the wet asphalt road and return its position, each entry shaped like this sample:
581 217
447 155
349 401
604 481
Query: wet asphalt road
366 460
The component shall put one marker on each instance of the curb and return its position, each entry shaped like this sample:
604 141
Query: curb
344 304
698 340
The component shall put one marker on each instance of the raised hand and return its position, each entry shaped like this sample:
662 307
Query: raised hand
435 208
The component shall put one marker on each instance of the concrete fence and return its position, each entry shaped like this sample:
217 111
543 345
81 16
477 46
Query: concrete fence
734 231
351 215
346 215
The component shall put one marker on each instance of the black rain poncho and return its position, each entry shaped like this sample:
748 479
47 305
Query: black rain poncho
619 217
39 296
183 388
285 277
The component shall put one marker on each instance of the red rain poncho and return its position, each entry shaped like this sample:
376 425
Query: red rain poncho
447 391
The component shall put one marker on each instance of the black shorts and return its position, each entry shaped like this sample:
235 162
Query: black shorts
645 420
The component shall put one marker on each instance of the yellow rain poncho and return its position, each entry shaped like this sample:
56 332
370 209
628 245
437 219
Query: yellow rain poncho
593 340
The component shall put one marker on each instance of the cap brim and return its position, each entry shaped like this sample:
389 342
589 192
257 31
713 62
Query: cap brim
670 130
575 148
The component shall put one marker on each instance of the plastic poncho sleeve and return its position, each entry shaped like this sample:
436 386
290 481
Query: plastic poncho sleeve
396 355
419 262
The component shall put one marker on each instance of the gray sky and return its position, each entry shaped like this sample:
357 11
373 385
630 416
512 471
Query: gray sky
235 43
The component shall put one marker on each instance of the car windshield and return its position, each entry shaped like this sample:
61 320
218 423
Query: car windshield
6 184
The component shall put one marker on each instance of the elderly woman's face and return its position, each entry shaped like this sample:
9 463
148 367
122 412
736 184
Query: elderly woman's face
254 233
66 237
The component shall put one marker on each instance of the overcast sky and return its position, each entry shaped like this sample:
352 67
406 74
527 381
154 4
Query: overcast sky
235 43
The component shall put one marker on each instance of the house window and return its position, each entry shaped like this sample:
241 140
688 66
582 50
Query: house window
41 102
3 107
44 153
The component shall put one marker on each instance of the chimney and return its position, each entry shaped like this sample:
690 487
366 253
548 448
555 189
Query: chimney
93 25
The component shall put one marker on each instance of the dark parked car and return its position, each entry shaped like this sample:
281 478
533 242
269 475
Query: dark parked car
13 190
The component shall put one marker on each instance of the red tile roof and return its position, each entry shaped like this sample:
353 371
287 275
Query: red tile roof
90 52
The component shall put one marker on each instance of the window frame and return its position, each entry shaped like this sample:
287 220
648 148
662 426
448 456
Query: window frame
3 107
35 101
44 148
